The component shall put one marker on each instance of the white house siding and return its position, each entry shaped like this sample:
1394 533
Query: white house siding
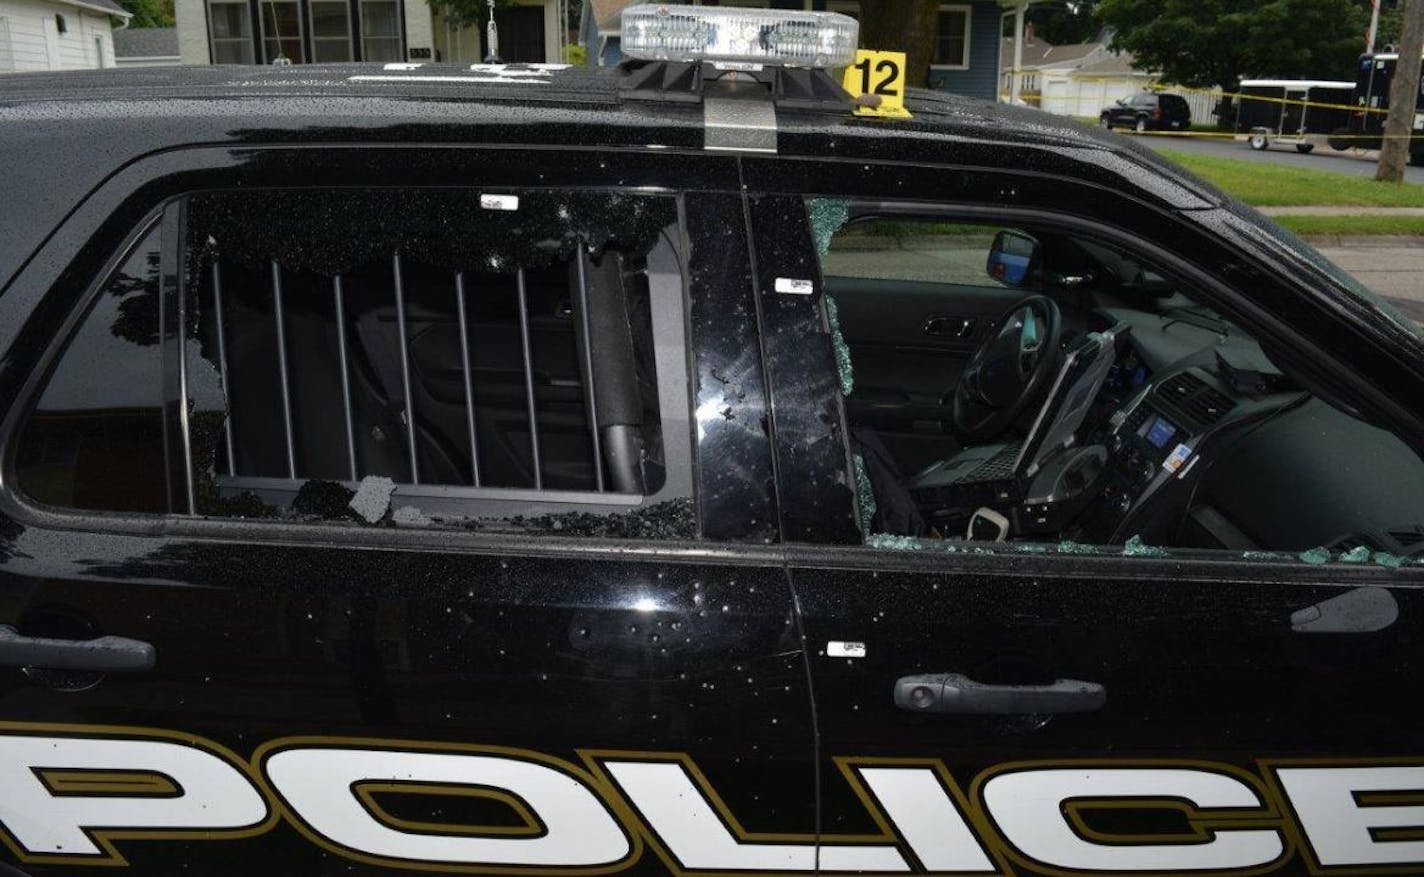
192 21
35 43
1067 95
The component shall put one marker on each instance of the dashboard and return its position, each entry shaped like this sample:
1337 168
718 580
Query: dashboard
1178 392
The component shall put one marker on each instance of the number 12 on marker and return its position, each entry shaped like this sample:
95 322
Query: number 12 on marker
881 74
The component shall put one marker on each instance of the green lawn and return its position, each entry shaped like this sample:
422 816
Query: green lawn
1345 225
1270 185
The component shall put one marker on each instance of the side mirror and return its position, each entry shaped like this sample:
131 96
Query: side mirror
1013 258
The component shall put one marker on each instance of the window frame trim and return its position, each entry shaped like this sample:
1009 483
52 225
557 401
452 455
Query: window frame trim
213 39
968 10
350 37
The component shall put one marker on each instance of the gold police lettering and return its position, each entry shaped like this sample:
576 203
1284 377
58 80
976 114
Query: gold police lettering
75 794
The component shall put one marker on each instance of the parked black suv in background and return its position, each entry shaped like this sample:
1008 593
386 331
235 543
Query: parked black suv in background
1148 111
567 472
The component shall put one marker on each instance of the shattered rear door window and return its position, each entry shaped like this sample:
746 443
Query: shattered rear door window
426 355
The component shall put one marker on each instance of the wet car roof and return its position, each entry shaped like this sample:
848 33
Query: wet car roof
531 94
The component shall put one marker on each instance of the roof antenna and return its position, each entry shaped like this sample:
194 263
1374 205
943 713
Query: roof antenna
492 37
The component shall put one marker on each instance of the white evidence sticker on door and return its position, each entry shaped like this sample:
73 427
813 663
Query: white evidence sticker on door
838 649
792 286
499 202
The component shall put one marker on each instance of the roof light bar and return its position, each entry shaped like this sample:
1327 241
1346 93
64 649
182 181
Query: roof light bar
728 35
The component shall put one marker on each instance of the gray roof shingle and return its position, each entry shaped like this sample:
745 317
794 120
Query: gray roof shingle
145 42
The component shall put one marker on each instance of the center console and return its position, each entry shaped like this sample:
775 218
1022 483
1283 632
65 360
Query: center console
1152 440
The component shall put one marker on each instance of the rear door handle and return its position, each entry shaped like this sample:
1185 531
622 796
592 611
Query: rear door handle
956 694
105 654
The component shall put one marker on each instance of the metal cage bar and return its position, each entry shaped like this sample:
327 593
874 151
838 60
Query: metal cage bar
338 296
469 383
221 327
180 293
405 368
590 397
279 308
529 378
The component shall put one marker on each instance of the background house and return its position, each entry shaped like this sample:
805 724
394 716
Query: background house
58 34
966 42
146 47
330 31
1041 58
1080 79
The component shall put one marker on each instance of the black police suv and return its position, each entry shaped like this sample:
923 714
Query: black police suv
1148 111
521 470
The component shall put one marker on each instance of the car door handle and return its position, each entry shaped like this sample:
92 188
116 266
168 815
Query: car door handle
105 654
956 694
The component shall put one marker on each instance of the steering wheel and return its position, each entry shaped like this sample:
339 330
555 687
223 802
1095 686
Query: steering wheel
1004 376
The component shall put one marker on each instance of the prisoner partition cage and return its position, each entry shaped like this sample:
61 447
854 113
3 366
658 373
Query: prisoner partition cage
492 355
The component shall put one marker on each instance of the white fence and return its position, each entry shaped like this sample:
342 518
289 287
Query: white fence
1203 104
1067 95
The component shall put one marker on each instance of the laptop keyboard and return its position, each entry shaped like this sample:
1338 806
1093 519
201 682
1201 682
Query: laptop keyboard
998 467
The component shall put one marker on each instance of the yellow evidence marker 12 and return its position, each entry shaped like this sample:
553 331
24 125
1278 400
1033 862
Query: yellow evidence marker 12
881 76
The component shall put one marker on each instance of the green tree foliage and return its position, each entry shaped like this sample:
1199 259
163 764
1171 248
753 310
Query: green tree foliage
1209 43
1391 27
149 13
1063 22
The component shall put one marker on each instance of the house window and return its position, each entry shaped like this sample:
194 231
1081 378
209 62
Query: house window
331 30
231 24
380 29
282 32
952 38
521 35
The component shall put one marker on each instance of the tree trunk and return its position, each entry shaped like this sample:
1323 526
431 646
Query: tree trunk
907 26
1403 96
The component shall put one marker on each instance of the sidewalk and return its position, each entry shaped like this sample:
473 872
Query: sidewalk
1342 211
1390 265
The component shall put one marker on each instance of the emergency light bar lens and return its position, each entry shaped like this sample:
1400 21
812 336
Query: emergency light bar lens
660 32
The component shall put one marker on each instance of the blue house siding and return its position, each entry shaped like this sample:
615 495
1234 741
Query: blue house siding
981 79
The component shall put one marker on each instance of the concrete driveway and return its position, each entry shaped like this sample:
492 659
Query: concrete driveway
1356 162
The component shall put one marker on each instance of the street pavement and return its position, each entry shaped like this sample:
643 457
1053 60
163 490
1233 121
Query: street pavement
1358 162
1390 266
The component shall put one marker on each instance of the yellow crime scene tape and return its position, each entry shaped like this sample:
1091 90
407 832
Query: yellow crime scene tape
1235 96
